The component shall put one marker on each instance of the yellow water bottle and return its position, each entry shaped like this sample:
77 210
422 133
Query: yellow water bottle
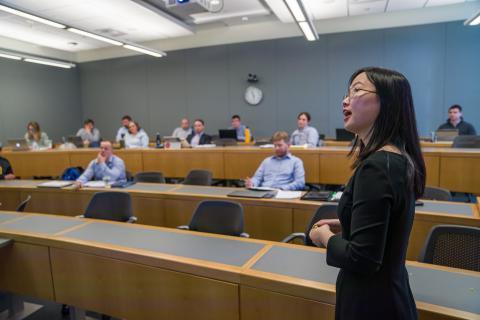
247 135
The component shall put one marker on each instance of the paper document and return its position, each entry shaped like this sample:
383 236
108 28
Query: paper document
281 194
96 184
55 184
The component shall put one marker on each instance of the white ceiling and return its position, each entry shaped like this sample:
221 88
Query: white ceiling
129 21
328 9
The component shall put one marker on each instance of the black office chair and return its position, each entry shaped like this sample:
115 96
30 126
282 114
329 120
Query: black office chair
221 217
110 205
151 176
199 178
452 246
23 204
466 142
435 193
326 211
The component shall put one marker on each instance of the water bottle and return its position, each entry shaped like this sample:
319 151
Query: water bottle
247 135
122 141
434 136
158 141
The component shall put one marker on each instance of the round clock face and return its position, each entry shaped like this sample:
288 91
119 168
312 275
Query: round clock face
253 95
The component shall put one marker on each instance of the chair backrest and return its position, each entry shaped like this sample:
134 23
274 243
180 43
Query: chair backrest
21 206
110 205
466 142
151 176
453 246
199 178
222 217
435 193
326 211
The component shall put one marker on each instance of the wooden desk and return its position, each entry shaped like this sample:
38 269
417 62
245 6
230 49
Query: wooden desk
172 205
453 169
139 272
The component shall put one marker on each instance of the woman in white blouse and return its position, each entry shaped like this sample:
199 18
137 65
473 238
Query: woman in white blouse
136 136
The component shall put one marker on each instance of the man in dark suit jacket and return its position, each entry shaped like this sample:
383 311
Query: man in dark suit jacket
455 121
198 136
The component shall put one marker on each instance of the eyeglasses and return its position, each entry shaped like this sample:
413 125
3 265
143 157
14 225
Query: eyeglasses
353 93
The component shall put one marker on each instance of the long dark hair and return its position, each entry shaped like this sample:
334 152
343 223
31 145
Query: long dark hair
395 124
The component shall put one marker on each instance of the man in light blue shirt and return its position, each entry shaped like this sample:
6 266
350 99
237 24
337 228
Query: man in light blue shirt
281 171
239 127
123 130
184 130
304 134
89 134
105 165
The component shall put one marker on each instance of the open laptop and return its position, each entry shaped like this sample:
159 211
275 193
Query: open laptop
344 135
227 134
18 144
446 134
76 141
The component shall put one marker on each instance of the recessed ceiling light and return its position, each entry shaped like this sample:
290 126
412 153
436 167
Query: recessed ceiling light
244 18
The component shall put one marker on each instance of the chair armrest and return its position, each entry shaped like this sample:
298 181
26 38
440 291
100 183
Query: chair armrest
183 227
132 219
80 216
295 235
5 242
244 235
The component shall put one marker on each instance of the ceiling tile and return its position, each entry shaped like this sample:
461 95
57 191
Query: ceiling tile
397 5
433 3
360 7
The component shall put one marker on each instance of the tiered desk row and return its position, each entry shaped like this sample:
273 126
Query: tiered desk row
453 169
142 272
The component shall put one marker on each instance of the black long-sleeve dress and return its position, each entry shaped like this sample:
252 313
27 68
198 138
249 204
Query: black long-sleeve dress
376 212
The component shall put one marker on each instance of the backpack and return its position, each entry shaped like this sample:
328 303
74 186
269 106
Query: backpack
72 173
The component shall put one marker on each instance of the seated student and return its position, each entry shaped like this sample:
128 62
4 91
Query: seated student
198 136
6 171
455 121
237 125
89 134
123 130
136 136
35 137
283 170
184 130
304 134
105 165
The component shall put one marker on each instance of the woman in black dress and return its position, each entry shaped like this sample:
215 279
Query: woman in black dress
378 204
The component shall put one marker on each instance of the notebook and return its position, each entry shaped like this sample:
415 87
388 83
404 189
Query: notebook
245 193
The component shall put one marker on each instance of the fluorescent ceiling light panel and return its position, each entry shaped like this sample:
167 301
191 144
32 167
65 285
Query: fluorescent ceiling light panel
146 51
307 31
473 21
9 56
50 63
296 10
95 36
32 17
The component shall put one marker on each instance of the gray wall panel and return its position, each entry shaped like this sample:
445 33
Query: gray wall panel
348 52
419 53
40 93
303 85
462 84
167 103
258 58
